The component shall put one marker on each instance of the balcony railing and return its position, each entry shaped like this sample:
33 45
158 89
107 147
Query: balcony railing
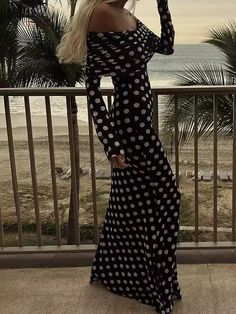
66 94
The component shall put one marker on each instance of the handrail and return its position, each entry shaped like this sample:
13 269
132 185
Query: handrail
81 91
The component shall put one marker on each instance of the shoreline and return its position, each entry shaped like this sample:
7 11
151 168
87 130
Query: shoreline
39 126
19 120
20 133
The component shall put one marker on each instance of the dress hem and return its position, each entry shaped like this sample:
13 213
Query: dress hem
175 297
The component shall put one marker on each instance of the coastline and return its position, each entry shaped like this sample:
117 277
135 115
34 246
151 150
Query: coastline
39 126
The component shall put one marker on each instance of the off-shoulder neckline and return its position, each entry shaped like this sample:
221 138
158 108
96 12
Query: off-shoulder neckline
117 32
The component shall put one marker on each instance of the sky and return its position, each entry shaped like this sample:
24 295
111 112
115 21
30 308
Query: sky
192 19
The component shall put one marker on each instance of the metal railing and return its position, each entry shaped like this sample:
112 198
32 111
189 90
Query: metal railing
47 93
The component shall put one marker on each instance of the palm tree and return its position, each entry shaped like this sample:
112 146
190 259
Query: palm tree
11 12
37 33
205 73
7 53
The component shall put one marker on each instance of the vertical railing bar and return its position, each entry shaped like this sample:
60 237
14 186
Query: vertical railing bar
13 170
234 172
215 168
155 113
196 166
76 143
176 142
73 169
2 241
53 174
33 169
93 176
109 108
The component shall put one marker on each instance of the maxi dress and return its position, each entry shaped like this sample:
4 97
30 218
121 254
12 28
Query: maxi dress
136 253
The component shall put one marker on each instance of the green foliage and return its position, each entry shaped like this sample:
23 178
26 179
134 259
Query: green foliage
224 38
29 34
204 74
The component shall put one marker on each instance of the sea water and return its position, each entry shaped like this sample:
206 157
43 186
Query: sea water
163 71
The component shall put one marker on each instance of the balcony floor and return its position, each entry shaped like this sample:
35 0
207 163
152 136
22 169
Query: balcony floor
206 288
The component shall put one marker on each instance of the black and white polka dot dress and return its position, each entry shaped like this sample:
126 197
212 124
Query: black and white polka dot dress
136 253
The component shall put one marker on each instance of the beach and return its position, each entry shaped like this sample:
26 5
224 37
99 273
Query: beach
42 160
62 158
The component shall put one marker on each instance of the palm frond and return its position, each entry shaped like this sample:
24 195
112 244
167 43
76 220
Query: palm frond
72 5
203 73
11 13
12 10
224 38
37 62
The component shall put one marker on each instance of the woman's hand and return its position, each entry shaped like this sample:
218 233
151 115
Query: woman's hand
118 161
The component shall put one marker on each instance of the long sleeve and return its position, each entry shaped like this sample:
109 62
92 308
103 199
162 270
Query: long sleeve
102 119
165 43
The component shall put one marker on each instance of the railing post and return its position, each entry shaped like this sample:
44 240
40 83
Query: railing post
215 168
176 141
2 240
155 112
234 172
13 170
52 163
74 189
33 169
196 166
109 108
93 176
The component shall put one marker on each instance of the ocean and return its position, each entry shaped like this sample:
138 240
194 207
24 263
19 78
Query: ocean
163 71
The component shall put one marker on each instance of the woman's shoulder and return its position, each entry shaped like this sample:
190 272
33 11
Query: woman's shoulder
103 8
102 18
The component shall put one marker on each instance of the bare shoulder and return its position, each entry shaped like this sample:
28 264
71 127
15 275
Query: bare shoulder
102 18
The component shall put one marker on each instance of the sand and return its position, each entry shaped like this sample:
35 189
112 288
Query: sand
62 157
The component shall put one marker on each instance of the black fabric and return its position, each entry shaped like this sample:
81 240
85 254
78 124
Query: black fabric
136 254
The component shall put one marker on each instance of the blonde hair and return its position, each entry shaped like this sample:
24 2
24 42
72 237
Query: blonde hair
73 48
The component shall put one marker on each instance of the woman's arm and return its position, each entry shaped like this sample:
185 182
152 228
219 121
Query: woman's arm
101 117
165 43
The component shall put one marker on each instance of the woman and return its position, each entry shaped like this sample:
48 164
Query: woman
136 254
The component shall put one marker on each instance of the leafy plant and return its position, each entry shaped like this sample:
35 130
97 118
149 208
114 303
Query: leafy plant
208 74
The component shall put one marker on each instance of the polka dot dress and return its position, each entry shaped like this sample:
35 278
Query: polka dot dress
136 253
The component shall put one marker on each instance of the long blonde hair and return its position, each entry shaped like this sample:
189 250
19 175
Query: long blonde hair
73 48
